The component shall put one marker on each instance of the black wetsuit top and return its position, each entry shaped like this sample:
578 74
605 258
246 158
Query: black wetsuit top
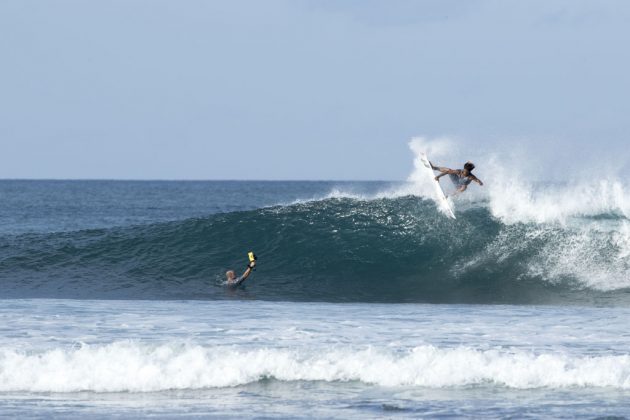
236 281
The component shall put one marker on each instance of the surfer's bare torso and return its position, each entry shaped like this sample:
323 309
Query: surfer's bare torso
461 178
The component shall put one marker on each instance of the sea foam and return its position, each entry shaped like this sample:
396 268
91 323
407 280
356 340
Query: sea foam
131 366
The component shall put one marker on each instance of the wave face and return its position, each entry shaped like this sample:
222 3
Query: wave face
395 248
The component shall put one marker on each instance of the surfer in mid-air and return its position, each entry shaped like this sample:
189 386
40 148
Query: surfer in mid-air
234 281
461 178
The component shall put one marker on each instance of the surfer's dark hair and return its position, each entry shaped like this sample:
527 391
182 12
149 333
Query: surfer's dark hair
469 166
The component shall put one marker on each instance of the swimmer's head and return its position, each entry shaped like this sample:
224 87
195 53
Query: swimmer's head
229 274
469 166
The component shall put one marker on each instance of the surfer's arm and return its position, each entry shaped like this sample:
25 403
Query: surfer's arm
477 180
444 171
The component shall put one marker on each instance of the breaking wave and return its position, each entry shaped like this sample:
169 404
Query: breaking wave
128 366
512 242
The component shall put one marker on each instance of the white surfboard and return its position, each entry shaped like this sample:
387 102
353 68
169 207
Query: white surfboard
441 197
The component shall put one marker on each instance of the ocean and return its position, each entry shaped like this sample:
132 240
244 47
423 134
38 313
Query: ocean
367 302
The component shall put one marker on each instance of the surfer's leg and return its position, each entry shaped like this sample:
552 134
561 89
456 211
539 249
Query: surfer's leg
438 168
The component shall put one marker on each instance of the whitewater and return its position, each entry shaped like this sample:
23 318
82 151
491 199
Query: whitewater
168 359
367 301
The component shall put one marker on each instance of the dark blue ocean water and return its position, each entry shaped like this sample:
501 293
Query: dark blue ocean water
367 302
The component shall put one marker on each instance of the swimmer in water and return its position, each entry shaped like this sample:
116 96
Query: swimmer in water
461 178
234 281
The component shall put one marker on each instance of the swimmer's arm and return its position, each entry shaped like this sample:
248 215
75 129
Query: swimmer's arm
247 272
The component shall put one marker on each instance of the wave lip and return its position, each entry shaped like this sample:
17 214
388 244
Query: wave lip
128 366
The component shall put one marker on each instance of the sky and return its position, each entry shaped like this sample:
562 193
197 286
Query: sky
296 89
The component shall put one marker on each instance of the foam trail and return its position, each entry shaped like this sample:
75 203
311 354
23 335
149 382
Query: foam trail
128 366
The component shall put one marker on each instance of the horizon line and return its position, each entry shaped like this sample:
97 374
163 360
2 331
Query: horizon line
198 180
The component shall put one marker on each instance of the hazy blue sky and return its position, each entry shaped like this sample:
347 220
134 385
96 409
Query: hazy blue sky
185 89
